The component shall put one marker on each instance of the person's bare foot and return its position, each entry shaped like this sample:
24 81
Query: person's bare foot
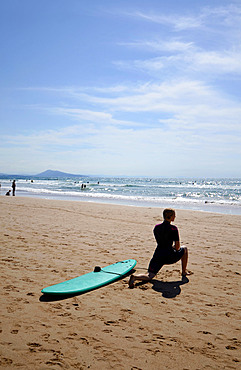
131 281
187 273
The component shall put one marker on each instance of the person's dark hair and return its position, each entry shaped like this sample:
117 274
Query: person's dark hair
168 213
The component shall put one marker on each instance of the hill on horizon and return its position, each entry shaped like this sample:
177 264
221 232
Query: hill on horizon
48 173
52 173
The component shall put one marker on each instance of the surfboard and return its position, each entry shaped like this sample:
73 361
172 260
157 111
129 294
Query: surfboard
92 280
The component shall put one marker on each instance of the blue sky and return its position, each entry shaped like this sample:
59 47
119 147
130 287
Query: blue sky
137 88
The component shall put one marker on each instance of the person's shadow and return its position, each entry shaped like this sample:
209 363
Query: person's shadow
168 289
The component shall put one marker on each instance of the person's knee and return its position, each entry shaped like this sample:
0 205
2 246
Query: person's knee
185 250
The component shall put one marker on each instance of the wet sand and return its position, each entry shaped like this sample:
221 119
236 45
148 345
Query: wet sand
166 324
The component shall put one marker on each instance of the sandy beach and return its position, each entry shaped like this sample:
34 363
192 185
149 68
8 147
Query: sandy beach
166 324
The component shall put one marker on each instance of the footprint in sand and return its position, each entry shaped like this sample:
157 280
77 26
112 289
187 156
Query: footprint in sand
235 343
15 331
110 322
33 346
231 347
5 361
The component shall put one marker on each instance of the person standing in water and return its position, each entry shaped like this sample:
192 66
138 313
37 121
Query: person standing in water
13 187
168 250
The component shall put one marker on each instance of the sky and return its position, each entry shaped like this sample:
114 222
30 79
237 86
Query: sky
121 88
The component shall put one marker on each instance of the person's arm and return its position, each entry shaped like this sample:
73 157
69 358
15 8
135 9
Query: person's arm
177 245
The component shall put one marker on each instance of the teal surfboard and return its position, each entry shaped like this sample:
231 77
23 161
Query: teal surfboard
92 280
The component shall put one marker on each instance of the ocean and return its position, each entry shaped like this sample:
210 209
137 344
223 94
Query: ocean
208 195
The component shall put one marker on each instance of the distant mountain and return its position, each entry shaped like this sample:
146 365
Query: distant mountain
51 173
13 176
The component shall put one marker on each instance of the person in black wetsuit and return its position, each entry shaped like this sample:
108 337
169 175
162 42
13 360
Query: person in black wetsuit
168 250
14 187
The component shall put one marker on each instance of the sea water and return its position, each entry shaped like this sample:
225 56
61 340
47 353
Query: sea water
211 195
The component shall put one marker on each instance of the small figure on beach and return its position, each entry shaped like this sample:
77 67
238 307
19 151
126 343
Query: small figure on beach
8 193
13 187
168 250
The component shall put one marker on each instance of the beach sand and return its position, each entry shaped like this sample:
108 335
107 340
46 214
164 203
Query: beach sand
166 324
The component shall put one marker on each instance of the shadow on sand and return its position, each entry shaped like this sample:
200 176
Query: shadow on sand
56 297
168 289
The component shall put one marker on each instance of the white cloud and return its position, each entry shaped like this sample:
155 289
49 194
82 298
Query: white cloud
173 105
185 58
115 150
85 115
227 61
160 45
210 50
172 97
177 22
224 16
188 107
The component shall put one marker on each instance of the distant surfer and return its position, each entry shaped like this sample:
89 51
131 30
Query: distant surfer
13 187
168 250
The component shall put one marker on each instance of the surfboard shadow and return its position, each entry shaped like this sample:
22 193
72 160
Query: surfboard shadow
61 297
169 289
56 297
